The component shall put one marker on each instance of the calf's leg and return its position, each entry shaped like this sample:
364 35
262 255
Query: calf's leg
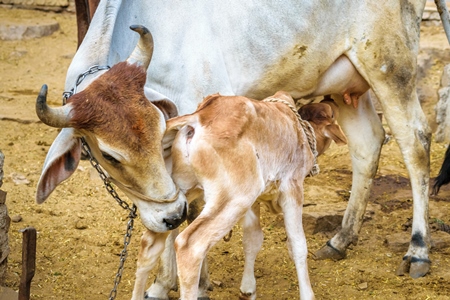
192 245
152 245
166 278
291 203
252 241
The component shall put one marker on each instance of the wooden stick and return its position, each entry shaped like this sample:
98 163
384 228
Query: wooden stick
28 262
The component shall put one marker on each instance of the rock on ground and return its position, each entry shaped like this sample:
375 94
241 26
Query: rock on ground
27 29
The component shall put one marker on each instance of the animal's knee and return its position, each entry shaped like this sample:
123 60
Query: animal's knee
189 250
180 243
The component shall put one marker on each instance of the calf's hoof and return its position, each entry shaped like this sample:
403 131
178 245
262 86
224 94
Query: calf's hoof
329 252
152 298
147 297
417 267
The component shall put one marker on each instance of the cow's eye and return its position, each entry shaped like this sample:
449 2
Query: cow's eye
110 159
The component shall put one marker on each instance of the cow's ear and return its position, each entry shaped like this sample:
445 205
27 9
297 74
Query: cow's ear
61 162
334 132
167 107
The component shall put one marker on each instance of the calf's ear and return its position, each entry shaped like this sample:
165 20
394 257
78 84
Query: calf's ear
61 162
172 127
334 132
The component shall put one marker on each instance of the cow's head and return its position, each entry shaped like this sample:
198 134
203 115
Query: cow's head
322 117
124 132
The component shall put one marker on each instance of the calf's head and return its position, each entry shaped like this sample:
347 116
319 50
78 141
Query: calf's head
322 117
124 132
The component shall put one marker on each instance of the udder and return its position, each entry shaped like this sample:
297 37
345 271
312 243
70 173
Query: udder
342 78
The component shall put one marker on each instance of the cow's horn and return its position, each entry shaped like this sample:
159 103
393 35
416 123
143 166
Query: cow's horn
142 53
55 117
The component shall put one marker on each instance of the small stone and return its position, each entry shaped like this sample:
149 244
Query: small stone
315 222
80 225
398 242
218 283
19 178
362 286
16 218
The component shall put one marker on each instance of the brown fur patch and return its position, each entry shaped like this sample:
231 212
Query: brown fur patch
117 94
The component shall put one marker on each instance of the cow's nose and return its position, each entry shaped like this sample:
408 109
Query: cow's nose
176 221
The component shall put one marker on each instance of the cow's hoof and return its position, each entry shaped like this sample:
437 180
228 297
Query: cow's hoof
203 298
247 296
417 267
329 252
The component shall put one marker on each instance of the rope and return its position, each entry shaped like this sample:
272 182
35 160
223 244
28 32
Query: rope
307 128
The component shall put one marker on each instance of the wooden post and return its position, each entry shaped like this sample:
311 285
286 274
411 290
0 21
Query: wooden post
28 262
4 227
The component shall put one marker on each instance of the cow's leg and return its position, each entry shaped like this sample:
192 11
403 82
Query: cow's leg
410 128
291 203
393 81
193 243
365 136
152 245
252 241
393 77
166 278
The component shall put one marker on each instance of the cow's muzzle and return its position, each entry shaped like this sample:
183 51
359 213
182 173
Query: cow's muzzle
175 221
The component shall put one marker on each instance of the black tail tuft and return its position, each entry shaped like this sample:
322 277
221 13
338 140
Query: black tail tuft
444 173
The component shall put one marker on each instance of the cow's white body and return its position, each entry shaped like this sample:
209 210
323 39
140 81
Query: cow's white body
307 48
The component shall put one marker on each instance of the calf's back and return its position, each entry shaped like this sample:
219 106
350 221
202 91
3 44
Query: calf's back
238 140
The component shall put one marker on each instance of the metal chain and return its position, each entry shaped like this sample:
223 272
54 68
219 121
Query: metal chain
106 181
124 205
81 77
132 210
123 257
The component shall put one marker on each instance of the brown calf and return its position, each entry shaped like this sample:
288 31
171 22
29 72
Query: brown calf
234 150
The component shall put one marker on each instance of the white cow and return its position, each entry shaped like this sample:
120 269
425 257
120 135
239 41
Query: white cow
254 48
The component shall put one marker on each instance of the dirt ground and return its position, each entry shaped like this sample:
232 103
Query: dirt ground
81 228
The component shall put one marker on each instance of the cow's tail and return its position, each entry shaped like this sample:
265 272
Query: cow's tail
445 18
444 173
